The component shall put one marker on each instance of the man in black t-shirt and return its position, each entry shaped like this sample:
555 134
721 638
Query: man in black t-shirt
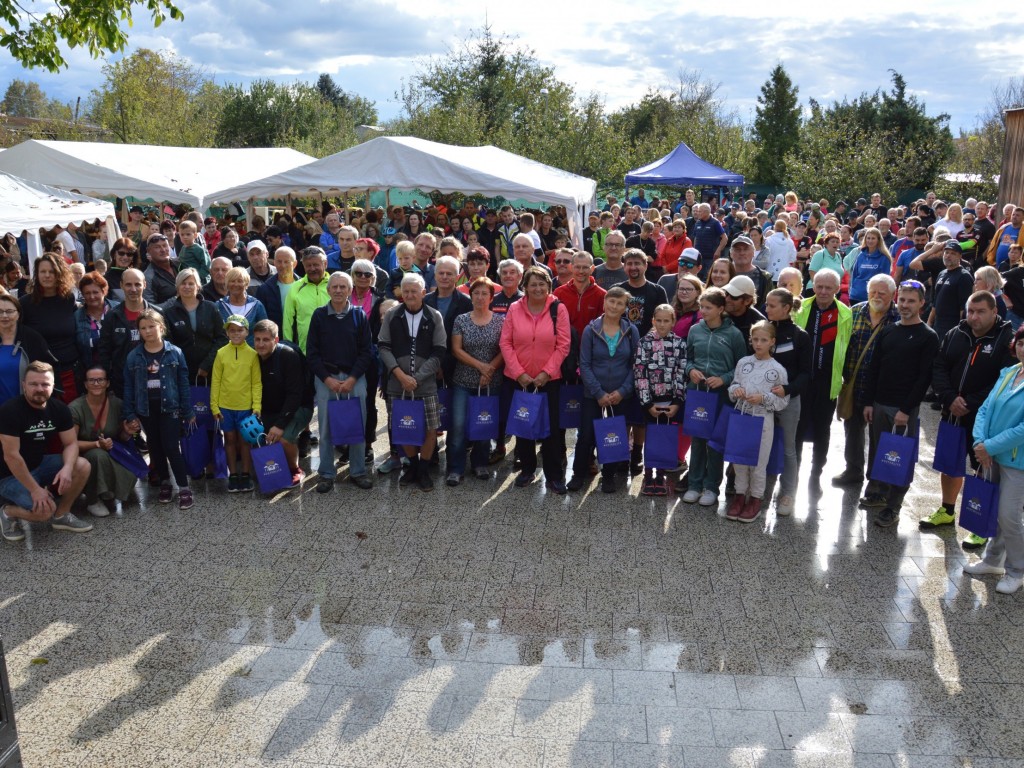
32 426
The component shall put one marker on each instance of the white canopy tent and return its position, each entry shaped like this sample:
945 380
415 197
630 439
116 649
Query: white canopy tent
27 205
409 163
162 174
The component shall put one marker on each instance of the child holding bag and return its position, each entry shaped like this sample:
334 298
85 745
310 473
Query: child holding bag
752 383
660 374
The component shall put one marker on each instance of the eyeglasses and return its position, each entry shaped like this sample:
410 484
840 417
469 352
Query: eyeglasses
563 261
912 284
8 312
362 274
96 381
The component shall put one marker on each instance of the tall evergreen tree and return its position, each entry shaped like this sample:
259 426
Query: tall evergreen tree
776 127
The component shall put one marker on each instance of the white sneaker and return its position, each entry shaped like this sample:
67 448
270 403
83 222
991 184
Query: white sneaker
1009 584
981 568
98 509
690 497
784 506
708 499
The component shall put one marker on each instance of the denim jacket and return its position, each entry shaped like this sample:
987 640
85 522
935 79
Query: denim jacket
175 397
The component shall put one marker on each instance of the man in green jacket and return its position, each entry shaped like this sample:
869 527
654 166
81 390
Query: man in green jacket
306 295
829 323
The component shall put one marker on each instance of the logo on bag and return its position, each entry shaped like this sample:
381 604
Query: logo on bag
522 413
270 467
407 421
484 417
201 408
442 410
893 458
974 504
700 413
572 404
612 439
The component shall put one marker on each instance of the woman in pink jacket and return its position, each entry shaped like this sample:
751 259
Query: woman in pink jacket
535 340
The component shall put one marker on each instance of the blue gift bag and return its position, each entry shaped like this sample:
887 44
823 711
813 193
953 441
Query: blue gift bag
777 458
408 422
950 449
482 417
743 438
894 461
444 408
201 405
196 450
700 412
345 420
721 430
979 511
570 406
271 467
528 415
612 438
661 446
128 456
220 456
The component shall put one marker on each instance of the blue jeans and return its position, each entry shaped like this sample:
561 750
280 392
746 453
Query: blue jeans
16 493
357 451
456 451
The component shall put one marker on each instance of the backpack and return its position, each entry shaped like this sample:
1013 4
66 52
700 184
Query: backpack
571 364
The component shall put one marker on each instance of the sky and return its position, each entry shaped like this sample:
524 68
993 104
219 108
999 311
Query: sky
951 56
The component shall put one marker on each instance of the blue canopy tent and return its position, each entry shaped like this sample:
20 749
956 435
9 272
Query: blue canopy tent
682 167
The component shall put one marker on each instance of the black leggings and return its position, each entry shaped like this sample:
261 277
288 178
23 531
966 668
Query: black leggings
163 433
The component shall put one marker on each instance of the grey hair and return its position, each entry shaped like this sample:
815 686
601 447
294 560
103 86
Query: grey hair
890 284
413 278
510 263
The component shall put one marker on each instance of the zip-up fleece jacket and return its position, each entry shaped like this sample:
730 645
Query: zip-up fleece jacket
582 307
714 351
530 345
396 347
237 383
1000 421
602 373
967 366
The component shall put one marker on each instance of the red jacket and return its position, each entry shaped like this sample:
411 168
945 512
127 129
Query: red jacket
582 307
530 345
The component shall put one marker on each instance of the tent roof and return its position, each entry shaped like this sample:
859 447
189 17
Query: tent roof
407 163
683 166
171 174
28 205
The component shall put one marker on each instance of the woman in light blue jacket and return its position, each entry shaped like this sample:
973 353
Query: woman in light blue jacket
999 446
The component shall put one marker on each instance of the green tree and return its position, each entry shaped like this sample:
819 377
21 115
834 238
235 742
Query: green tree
776 130
26 99
32 34
155 97
362 111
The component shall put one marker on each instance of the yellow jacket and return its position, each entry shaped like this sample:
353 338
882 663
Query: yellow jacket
237 384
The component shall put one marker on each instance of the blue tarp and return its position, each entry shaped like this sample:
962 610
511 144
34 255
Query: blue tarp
682 167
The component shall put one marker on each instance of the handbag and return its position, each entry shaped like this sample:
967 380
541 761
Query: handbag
408 421
661 446
201 406
700 412
612 438
482 416
570 406
951 449
528 415
743 438
979 512
220 456
345 421
444 408
895 457
196 450
270 466
845 401
777 457
129 457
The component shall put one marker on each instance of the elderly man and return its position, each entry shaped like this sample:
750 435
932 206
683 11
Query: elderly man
274 290
829 324
449 303
217 288
412 347
161 274
867 320
287 400
338 349
523 252
306 296
708 236
260 269
28 426
120 332
900 372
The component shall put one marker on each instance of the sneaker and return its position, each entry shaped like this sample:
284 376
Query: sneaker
326 485
361 481
525 478
1009 584
935 519
166 494
185 500
497 455
707 499
98 509
974 541
453 479
681 467
9 527
735 507
846 479
981 568
887 517
482 473
750 511
245 483
232 484
556 486
872 500
297 478
389 465
784 506
368 457
576 483
691 496
647 489
68 522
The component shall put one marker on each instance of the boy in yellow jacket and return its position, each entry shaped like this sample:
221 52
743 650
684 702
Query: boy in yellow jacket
235 392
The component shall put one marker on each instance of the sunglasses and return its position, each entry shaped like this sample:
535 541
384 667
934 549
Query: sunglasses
563 261
912 284
362 274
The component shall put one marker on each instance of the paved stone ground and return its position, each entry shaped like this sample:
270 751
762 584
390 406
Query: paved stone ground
489 625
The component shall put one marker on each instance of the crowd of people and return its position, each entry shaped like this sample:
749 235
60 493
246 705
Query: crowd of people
673 312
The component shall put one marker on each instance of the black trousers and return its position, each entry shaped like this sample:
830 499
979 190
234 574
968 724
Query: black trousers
551 453
817 409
